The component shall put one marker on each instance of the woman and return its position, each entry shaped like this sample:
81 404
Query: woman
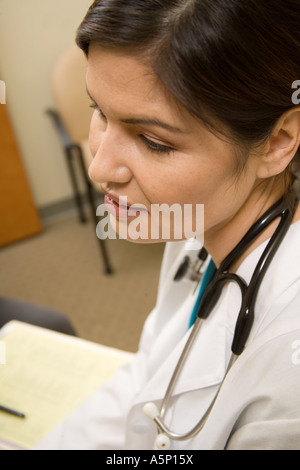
193 106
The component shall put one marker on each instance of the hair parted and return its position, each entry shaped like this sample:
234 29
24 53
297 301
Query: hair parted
231 62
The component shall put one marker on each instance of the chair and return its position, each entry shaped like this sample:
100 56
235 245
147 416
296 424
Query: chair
71 118
39 315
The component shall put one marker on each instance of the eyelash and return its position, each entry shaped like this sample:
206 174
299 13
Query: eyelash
154 147
96 107
150 144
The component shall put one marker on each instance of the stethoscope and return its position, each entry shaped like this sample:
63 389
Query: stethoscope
192 270
284 209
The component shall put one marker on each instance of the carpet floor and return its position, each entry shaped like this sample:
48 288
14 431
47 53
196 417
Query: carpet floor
62 269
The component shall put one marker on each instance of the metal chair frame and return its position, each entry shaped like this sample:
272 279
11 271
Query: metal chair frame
72 151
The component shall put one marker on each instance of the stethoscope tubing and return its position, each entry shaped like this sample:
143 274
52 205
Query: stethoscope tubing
159 419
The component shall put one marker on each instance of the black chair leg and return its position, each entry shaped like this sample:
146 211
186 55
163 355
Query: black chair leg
102 244
77 195
70 147
90 194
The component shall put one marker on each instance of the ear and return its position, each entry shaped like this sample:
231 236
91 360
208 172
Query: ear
281 146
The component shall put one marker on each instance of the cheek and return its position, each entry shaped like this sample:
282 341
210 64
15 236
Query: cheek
168 181
185 183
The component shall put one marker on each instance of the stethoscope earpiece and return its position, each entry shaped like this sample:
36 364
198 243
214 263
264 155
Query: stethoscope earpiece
151 411
162 442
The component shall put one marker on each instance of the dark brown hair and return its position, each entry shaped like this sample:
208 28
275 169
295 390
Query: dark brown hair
227 61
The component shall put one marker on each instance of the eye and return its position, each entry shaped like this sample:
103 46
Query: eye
96 107
155 147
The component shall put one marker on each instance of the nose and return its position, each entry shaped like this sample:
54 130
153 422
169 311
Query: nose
111 153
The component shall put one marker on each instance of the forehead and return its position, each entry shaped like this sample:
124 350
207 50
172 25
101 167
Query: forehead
124 82
113 70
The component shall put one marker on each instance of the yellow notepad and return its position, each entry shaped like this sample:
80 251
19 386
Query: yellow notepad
47 375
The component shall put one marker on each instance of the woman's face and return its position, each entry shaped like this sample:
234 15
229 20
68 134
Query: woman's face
149 150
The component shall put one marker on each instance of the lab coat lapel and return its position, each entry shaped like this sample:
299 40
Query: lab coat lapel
205 366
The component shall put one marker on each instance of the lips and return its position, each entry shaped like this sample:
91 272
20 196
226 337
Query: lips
120 211
120 208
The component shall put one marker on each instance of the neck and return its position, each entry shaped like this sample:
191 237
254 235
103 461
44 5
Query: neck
220 241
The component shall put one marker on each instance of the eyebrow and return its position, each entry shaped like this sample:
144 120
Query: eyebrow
145 121
152 122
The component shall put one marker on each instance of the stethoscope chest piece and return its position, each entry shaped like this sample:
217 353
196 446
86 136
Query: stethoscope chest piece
191 270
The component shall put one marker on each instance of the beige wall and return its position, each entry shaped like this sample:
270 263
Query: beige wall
33 33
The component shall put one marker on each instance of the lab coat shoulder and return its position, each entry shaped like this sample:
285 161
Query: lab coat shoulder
270 416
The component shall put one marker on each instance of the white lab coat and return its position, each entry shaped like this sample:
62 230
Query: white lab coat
259 403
